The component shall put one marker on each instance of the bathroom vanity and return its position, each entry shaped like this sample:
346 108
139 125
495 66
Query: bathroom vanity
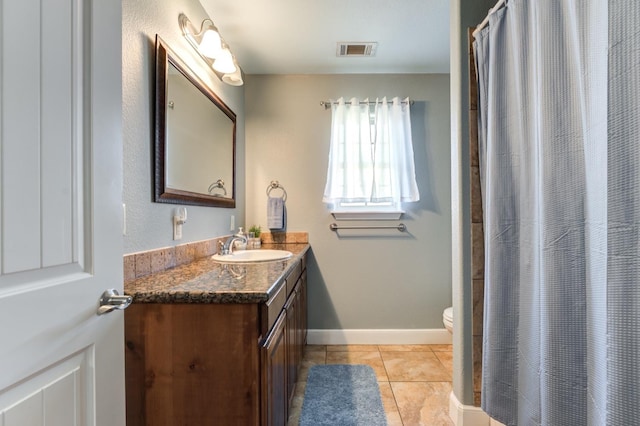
216 344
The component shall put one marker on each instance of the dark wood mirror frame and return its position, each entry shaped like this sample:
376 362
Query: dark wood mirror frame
164 194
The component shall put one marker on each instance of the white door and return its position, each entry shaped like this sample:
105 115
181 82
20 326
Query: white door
60 212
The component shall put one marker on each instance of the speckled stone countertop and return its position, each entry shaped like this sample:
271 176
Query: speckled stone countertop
208 281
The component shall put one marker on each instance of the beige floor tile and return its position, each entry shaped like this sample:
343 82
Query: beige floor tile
351 348
372 359
446 358
414 367
445 348
314 357
388 401
296 405
423 403
393 419
311 358
404 348
421 379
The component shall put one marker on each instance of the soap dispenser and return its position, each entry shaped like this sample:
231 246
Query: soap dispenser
238 244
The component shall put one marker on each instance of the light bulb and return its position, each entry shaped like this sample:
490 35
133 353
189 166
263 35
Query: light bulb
224 62
234 78
211 45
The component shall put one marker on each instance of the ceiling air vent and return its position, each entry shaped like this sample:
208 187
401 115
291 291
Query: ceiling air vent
356 49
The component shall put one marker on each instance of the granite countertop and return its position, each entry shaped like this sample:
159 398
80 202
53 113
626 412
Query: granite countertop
208 281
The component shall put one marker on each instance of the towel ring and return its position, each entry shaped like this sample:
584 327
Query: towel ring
276 185
217 184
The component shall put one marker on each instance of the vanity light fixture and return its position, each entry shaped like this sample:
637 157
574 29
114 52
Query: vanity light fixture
212 48
224 62
234 78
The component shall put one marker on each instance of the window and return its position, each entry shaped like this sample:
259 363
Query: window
371 166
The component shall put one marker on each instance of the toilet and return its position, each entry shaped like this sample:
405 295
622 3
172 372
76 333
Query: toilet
447 319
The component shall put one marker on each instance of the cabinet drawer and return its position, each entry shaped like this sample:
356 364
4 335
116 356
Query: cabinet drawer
272 309
293 276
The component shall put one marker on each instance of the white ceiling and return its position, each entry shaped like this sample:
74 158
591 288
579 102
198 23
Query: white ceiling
300 36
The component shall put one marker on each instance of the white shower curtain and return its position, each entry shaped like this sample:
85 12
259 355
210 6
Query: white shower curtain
559 109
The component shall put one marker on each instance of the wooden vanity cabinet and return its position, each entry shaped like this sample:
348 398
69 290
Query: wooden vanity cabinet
215 364
284 343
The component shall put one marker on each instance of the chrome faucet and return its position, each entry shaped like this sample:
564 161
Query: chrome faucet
227 246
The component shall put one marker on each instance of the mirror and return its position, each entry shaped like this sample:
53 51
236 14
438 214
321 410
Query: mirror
195 137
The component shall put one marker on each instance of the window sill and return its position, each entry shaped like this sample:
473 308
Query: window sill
367 215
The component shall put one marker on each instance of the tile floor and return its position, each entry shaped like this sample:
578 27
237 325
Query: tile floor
414 380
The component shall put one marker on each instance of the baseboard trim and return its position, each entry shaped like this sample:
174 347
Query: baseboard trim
435 336
468 415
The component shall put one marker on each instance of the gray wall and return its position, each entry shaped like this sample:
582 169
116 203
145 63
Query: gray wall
464 14
149 224
377 279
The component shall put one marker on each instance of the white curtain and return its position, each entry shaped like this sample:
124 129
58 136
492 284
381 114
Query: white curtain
559 89
371 152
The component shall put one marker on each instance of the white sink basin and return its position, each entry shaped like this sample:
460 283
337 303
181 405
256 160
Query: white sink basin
251 256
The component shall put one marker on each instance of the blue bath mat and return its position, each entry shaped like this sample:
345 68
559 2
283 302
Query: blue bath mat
342 395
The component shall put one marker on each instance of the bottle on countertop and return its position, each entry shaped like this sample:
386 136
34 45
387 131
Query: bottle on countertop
240 245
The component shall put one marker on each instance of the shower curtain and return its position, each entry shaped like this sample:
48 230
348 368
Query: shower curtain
559 143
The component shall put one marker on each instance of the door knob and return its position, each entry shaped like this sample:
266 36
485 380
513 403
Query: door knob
111 300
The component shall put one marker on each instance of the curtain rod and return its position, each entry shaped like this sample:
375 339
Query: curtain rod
485 21
327 104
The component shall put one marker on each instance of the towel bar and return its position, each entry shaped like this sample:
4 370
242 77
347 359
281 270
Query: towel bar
400 227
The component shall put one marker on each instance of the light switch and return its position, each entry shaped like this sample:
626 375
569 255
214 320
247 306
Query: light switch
179 218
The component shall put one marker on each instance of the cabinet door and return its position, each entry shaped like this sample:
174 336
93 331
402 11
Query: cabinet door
292 341
303 312
274 375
